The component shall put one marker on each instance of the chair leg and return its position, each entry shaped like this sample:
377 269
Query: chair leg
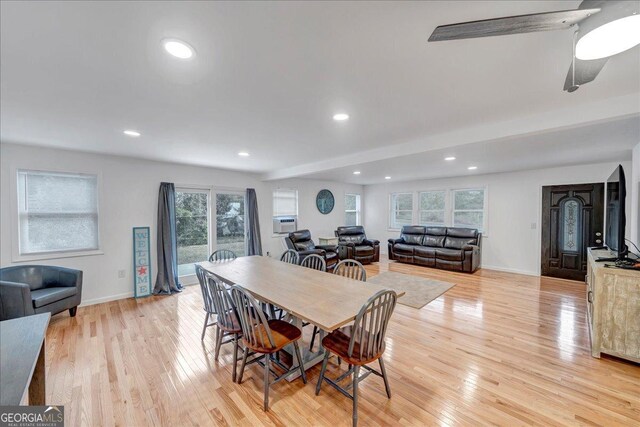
204 328
267 359
235 356
356 372
72 311
244 362
300 363
313 337
322 371
219 336
384 376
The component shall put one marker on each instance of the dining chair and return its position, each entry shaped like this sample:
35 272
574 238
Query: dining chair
209 308
290 256
315 262
265 337
359 345
222 255
351 269
227 323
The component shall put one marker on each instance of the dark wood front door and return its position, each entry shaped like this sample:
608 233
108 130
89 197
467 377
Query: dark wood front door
572 220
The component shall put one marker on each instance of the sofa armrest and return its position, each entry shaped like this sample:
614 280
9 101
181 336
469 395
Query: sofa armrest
68 277
392 241
371 242
470 247
328 248
15 300
348 244
316 251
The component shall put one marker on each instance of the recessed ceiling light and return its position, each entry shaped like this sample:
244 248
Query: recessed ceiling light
356 173
340 117
243 154
387 177
178 48
472 168
133 133
609 39
448 159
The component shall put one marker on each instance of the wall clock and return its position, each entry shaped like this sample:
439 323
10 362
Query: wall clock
325 201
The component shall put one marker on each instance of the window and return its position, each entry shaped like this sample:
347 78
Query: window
192 228
285 202
230 231
57 212
432 208
401 210
468 208
352 209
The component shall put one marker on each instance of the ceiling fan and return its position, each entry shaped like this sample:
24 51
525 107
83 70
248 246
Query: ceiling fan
603 28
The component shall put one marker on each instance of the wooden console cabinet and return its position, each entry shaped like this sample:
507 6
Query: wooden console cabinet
613 300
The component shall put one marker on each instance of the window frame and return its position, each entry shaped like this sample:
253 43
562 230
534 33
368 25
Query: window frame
213 241
273 208
183 188
393 212
443 210
16 255
484 209
357 210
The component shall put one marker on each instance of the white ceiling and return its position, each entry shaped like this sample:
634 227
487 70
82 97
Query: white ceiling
268 76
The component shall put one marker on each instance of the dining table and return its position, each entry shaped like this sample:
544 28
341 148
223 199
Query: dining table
328 301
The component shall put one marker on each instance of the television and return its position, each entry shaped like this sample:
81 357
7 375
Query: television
615 214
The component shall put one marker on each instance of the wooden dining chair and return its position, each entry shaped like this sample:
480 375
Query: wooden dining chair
314 261
265 337
290 256
209 308
359 345
222 255
228 325
351 269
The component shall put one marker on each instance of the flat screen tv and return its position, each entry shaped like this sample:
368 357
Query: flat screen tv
615 215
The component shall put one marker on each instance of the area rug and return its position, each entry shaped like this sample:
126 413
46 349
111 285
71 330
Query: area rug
418 291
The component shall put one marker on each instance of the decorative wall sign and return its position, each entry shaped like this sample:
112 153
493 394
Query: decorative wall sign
141 262
325 201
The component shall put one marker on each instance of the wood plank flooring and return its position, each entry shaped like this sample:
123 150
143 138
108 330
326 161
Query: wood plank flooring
498 348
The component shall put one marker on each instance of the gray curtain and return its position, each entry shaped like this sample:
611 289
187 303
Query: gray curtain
254 244
167 278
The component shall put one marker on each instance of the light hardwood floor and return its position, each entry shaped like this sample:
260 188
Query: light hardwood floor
498 348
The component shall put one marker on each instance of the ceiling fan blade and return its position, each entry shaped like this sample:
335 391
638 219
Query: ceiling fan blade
547 21
586 71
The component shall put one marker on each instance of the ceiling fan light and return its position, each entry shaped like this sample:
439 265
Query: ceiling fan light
609 39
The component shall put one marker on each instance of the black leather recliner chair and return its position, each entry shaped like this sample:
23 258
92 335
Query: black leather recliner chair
353 244
34 289
300 241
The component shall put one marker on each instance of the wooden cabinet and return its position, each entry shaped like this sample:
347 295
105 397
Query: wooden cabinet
613 299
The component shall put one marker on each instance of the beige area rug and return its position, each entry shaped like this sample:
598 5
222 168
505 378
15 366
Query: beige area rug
418 291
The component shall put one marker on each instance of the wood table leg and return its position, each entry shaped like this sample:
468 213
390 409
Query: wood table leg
37 390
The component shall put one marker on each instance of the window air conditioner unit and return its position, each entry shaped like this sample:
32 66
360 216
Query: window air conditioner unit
283 225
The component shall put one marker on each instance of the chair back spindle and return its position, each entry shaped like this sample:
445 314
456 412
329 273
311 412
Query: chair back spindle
221 300
290 256
206 294
255 327
370 326
351 269
315 262
222 255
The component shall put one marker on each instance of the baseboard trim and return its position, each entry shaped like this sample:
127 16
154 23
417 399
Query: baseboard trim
510 270
106 299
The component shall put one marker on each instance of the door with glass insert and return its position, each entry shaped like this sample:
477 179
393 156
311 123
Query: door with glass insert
230 222
192 228
572 220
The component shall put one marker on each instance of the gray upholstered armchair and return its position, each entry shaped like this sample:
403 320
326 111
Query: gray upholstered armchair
33 289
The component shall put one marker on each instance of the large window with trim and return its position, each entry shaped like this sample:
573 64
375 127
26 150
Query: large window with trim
468 206
352 209
192 228
432 208
57 212
401 210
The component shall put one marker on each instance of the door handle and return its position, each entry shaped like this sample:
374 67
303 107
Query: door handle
598 241
598 234
590 297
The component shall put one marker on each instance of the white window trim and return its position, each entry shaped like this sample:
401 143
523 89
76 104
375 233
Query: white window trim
358 210
444 211
273 190
390 208
16 256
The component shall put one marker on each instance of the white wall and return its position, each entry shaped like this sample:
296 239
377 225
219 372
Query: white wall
514 204
129 197
635 196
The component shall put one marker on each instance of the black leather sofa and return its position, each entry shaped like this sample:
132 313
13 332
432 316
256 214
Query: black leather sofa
34 289
300 241
449 248
353 244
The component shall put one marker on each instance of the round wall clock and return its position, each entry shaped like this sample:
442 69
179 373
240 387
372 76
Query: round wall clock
325 201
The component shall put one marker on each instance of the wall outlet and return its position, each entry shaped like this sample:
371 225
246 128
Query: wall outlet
533 225
122 274
268 253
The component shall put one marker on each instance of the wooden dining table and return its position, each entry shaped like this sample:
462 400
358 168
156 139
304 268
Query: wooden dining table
326 300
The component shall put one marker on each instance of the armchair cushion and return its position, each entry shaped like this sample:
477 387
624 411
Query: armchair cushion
449 254
45 296
328 248
363 250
